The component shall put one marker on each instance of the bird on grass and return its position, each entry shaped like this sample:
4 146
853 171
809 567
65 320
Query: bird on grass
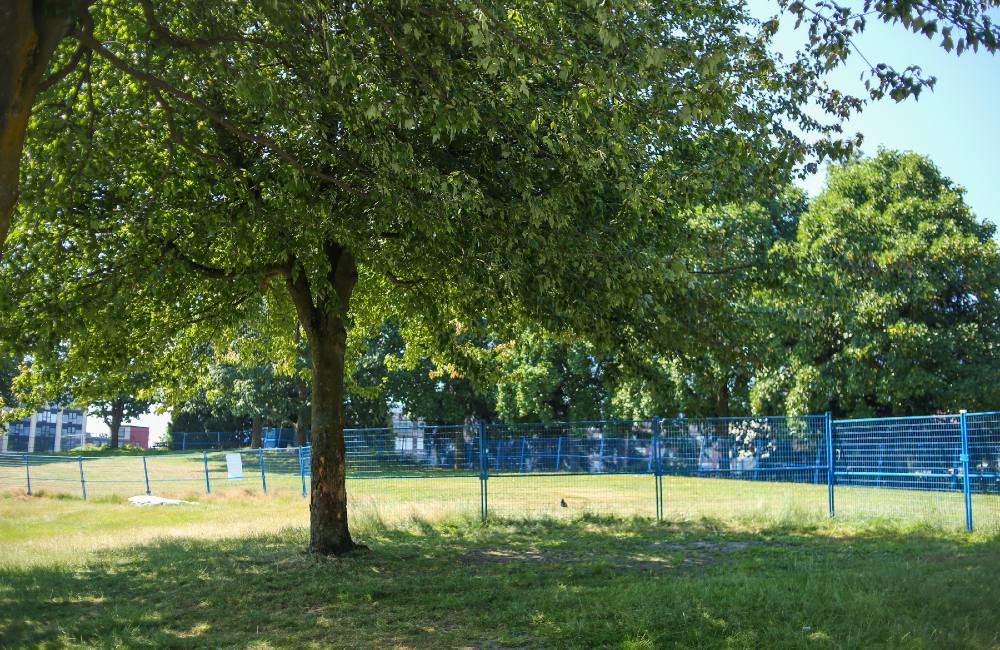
562 502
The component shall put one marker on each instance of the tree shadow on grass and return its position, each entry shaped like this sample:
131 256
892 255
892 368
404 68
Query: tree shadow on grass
584 583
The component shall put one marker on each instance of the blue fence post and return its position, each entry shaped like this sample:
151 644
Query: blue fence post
658 475
83 483
302 471
218 439
601 454
484 474
963 419
263 479
27 472
524 442
208 484
558 454
830 471
145 473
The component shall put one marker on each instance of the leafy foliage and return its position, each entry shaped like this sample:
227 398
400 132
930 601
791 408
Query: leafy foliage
894 306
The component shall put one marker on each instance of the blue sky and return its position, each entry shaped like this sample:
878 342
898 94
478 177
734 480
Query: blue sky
957 125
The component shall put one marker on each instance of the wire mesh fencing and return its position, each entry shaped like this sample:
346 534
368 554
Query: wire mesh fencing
565 468
942 469
904 468
747 466
422 471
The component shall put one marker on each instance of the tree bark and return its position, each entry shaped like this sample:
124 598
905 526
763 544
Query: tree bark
30 30
302 417
722 407
256 432
722 398
117 415
323 313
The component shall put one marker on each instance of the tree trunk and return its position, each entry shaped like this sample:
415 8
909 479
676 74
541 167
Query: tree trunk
722 408
117 414
722 399
302 417
256 431
322 313
29 33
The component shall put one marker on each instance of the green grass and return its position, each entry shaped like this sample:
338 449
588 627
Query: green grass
397 499
231 571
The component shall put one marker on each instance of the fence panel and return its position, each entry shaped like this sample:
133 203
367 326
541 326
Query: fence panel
177 475
113 475
421 471
907 468
40 474
281 469
744 467
14 472
984 469
568 468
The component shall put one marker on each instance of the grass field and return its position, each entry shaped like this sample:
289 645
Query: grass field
398 499
231 571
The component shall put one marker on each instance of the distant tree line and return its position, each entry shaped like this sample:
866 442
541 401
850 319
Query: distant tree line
877 297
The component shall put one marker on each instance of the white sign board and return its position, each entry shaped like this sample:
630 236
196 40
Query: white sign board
234 465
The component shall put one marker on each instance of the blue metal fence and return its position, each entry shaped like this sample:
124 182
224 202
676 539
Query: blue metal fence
941 468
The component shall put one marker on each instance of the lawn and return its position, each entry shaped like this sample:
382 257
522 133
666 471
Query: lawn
231 571
394 499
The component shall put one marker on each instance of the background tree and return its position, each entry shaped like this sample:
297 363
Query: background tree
734 254
197 415
258 392
8 401
893 307
117 410
543 378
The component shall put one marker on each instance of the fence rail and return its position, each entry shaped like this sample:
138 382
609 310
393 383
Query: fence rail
942 468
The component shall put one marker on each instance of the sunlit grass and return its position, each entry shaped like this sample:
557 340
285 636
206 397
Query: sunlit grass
394 499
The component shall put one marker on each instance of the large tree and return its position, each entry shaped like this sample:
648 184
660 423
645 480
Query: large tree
187 168
893 307
43 41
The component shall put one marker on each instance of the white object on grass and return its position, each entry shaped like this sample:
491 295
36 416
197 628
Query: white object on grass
156 501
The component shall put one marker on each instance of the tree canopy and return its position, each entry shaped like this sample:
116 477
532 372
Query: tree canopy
894 303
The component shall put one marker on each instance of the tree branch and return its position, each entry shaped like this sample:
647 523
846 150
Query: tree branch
410 282
724 271
267 271
299 289
87 38
64 71
165 35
